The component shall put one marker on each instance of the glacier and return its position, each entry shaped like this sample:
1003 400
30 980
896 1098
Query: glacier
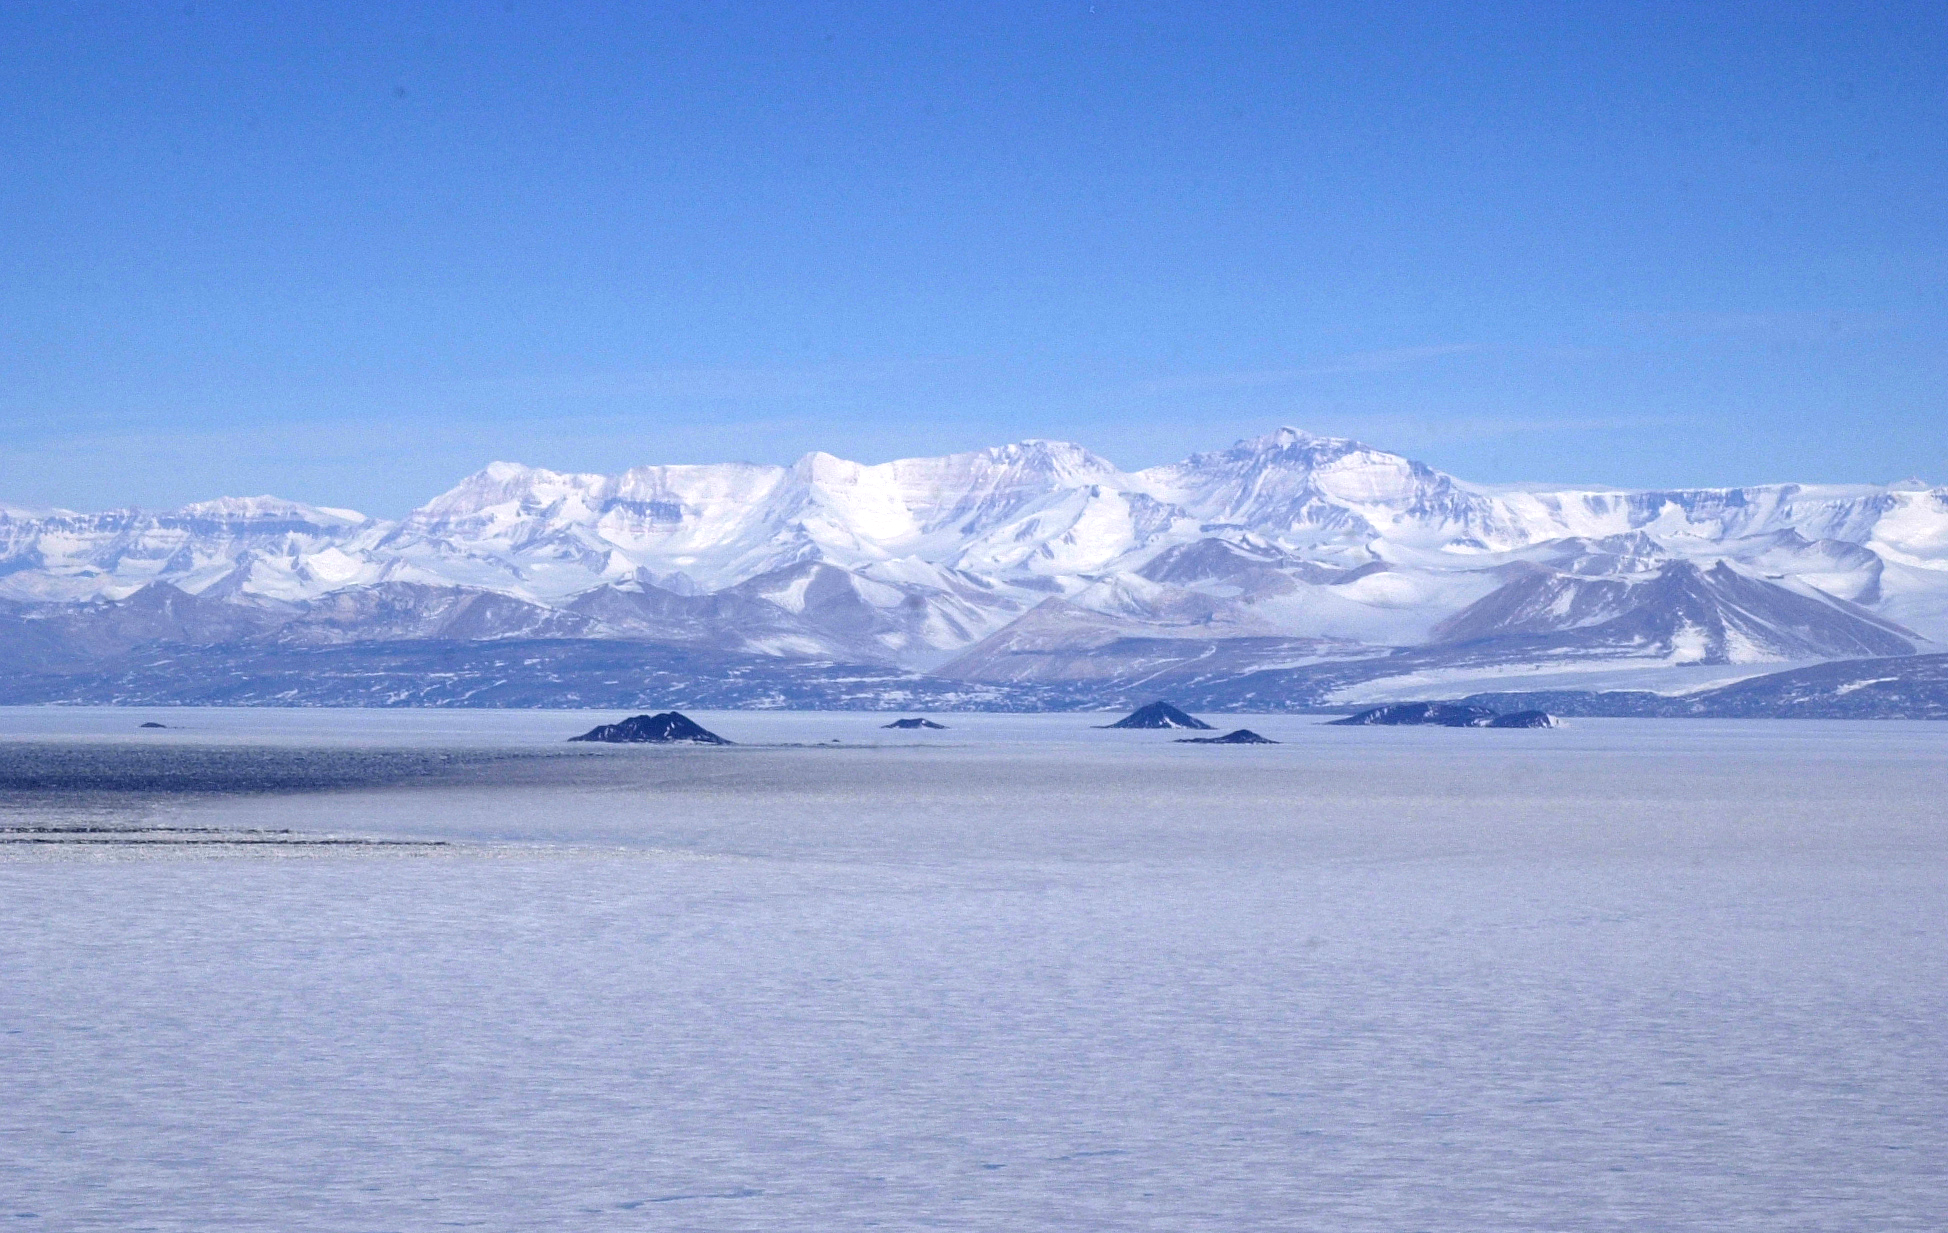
1032 563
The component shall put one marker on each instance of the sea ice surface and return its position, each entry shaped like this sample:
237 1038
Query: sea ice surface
1022 973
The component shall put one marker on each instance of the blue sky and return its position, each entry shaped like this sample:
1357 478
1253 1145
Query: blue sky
349 253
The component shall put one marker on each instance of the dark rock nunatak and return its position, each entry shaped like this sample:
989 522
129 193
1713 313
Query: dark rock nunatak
1243 736
911 724
1158 715
668 728
1438 714
1445 715
1524 719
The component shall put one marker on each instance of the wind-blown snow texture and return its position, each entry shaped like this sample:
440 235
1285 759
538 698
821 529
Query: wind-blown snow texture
1031 565
1025 975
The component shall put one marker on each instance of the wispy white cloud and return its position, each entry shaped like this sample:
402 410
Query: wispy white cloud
1395 358
1387 360
1484 427
1807 326
713 383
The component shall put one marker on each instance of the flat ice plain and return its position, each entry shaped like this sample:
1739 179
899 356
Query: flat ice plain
1020 974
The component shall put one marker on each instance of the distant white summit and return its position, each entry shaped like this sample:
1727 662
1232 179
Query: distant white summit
1041 560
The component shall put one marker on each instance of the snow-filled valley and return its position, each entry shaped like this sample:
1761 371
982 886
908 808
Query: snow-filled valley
1035 565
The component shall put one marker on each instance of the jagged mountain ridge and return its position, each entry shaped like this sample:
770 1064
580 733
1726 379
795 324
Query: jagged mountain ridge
1027 562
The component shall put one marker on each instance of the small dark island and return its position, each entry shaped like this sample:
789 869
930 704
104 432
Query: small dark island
1158 715
669 728
909 725
153 724
1243 736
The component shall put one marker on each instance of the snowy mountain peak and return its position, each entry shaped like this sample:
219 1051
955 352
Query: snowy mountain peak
1296 454
1298 484
268 509
1063 459
1288 438
499 483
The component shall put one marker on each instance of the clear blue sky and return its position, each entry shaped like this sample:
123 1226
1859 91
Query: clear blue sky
348 253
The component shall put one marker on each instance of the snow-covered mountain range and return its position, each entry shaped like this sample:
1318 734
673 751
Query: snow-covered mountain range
1026 563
